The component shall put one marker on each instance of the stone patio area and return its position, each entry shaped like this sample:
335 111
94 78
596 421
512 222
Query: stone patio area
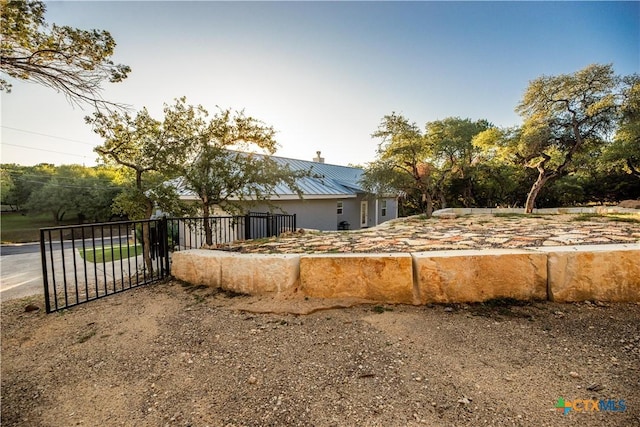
416 234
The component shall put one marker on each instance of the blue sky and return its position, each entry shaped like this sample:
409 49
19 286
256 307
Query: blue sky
323 74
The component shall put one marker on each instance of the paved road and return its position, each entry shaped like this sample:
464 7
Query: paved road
20 248
20 275
21 267
28 248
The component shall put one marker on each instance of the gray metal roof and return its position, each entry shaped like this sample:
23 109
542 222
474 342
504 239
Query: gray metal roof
325 180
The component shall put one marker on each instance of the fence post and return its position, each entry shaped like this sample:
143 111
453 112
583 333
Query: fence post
295 228
247 227
47 301
269 224
164 239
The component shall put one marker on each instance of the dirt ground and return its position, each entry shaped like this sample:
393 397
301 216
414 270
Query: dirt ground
177 355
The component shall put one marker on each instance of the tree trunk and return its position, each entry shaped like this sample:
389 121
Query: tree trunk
207 225
635 172
535 190
146 239
428 201
468 199
543 177
443 200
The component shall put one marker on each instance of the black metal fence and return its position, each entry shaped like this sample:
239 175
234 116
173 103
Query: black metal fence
81 263
196 232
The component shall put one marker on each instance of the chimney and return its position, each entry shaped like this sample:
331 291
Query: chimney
318 159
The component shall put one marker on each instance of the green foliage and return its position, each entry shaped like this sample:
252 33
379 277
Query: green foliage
625 148
228 159
110 253
564 145
565 116
403 157
148 153
424 167
24 181
566 191
499 183
453 151
72 189
69 60
6 184
630 218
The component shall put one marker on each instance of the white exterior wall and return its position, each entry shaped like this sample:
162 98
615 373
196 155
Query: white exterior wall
319 214
373 207
322 214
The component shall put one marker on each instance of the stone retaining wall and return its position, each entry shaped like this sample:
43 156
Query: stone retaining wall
563 274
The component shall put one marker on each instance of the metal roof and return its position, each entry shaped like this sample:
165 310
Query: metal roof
325 180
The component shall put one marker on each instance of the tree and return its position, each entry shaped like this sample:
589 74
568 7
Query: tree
423 167
54 197
451 144
25 180
563 116
147 151
229 159
6 185
102 189
72 61
74 189
626 145
404 156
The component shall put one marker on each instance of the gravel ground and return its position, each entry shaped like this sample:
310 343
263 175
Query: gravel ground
177 355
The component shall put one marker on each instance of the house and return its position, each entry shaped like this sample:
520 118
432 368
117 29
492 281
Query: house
333 198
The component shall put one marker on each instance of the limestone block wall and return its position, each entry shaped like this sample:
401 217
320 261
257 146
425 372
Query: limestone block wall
198 266
376 277
250 274
563 274
480 275
595 272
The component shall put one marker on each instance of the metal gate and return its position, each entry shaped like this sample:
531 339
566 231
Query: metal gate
81 263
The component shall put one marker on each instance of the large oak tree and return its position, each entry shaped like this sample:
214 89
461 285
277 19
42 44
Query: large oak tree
566 116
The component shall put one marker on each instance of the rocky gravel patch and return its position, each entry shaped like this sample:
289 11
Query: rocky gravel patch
176 355
417 234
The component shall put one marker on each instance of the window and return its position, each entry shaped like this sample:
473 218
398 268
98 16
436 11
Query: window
340 208
383 208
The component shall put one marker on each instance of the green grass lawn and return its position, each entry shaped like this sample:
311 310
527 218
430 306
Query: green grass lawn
18 228
111 253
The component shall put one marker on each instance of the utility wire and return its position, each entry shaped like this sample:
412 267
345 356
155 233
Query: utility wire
47 135
42 149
